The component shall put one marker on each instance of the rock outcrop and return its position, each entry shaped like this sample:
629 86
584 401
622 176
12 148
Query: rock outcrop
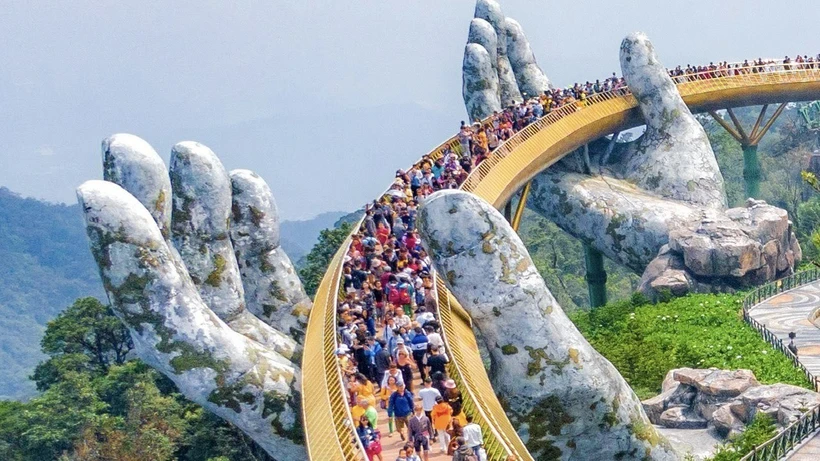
566 399
657 205
726 400
185 310
509 59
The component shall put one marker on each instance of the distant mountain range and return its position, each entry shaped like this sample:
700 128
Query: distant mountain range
45 265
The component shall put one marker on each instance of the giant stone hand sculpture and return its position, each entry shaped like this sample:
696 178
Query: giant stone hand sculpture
566 400
499 64
178 256
658 205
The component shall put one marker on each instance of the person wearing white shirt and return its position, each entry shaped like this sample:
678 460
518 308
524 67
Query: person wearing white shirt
433 338
472 435
428 395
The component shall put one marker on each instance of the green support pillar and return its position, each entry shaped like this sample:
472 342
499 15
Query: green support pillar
748 142
596 276
751 170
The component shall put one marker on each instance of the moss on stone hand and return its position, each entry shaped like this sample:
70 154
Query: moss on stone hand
547 418
215 277
509 349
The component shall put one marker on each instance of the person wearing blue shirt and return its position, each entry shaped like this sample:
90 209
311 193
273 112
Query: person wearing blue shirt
401 406
419 347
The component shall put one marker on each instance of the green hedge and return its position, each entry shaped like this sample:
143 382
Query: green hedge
645 341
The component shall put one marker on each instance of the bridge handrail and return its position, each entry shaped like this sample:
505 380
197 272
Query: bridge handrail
329 388
778 446
333 381
466 368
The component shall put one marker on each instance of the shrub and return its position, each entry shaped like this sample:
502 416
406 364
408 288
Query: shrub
645 341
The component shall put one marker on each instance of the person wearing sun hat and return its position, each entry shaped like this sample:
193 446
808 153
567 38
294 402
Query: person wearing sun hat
452 395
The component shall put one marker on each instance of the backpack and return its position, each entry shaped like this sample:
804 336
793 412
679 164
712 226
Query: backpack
470 457
399 296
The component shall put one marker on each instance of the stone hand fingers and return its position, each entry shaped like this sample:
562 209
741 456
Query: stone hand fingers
539 361
176 333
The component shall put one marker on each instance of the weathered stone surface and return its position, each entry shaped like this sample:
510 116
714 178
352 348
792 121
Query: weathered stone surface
490 11
201 233
681 418
725 399
720 383
726 423
673 158
273 291
482 33
529 77
625 223
479 83
174 331
784 402
133 164
669 381
679 247
562 395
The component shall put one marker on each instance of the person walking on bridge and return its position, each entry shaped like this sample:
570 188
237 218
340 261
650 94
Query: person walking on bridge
472 435
419 432
401 406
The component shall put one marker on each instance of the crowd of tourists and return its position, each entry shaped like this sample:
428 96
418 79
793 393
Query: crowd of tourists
388 325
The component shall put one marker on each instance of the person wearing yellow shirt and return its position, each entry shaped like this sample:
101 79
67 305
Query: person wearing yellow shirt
362 407
364 389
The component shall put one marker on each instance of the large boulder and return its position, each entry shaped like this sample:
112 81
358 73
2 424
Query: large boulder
784 402
682 418
724 399
718 383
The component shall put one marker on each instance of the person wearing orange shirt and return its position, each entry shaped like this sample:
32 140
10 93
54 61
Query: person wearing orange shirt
442 414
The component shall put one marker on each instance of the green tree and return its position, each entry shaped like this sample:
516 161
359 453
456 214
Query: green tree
96 405
85 337
150 429
318 259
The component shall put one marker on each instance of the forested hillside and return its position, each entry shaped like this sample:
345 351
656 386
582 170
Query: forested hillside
45 266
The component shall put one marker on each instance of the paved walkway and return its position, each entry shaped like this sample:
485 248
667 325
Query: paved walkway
392 445
788 312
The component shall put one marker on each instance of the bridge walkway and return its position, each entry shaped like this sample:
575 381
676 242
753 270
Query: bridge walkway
328 428
789 312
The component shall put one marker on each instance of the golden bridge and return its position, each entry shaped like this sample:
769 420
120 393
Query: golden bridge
330 433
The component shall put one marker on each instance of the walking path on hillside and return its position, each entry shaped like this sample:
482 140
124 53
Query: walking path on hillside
789 312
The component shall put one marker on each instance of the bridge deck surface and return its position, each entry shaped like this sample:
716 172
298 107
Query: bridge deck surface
787 312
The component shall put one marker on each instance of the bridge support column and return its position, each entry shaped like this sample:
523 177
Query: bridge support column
751 170
596 276
519 210
749 143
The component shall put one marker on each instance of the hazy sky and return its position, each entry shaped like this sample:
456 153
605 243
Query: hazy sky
324 99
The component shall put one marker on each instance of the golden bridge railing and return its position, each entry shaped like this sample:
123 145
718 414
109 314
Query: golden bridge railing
467 369
328 427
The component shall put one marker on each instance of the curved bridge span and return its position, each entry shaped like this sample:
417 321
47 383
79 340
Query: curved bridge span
330 434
